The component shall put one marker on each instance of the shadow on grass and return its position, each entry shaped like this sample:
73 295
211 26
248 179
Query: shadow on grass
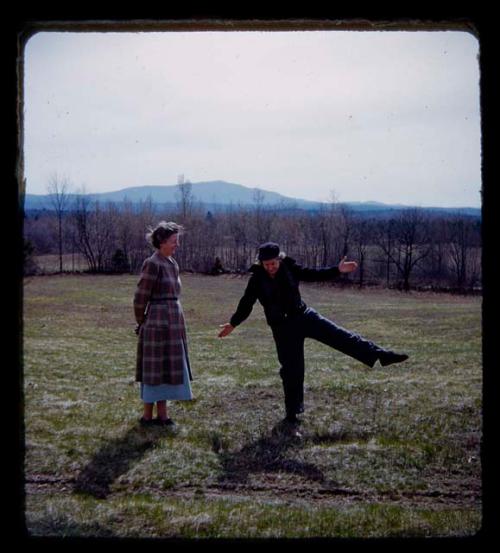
115 459
266 455
50 528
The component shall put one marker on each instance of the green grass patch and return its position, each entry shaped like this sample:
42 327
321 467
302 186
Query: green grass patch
384 452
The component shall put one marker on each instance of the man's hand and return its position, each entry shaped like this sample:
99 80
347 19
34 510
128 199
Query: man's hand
347 266
226 329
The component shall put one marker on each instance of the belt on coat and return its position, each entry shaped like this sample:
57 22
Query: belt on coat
162 300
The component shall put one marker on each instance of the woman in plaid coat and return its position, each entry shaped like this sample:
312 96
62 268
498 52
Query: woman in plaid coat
162 356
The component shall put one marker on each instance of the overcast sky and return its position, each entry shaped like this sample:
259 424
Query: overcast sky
384 116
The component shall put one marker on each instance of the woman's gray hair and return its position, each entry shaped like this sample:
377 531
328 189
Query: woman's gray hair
162 232
281 256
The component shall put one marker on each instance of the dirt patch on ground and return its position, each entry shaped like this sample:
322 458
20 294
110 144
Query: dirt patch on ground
269 489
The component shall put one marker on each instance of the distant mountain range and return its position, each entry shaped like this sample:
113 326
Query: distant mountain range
217 195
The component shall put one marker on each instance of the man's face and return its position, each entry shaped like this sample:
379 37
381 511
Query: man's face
271 266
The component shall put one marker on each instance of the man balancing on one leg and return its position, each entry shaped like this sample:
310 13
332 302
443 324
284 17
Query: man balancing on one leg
275 283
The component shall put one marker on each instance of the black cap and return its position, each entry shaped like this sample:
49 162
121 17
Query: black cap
269 250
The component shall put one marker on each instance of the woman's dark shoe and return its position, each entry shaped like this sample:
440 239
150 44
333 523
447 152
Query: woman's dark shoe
165 422
146 422
389 357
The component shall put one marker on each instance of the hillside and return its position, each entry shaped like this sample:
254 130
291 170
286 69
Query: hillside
221 195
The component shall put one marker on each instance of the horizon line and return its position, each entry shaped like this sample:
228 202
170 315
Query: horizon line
263 190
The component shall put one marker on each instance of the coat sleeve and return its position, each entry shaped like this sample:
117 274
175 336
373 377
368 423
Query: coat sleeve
149 275
314 275
246 303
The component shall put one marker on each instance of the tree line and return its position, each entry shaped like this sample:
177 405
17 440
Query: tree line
413 248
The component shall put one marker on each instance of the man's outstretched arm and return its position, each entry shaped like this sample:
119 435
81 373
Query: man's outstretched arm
325 273
243 310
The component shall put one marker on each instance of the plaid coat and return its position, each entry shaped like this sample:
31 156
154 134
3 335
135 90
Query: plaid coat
162 341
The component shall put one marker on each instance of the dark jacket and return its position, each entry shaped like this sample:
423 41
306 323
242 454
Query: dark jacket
279 296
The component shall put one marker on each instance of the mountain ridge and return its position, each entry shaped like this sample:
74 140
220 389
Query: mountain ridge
220 194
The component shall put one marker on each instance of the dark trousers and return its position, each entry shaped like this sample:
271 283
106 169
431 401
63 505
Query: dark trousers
289 338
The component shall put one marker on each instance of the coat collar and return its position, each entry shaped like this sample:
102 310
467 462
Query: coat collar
162 259
257 269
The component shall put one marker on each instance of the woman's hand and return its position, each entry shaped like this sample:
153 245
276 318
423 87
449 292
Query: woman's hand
227 328
347 266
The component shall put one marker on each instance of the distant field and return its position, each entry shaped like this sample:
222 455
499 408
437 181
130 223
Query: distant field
71 262
383 453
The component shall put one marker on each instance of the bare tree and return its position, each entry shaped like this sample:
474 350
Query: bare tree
95 229
361 233
385 239
437 272
411 244
262 217
81 214
324 239
343 229
334 232
324 222
58 191
462 246
239 226
185 195
143 216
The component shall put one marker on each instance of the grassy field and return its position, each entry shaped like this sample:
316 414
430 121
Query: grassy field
383 452
49 263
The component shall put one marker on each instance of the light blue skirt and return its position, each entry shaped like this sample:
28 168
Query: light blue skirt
162 392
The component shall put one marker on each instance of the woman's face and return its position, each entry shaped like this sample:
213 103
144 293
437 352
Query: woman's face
271 266
168 247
